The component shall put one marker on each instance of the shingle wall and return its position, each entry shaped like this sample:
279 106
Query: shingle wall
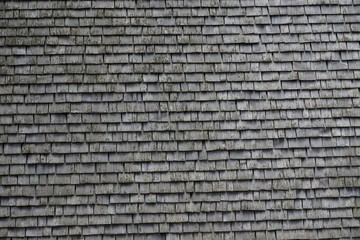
180 119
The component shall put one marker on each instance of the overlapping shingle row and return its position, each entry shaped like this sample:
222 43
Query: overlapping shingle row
180 119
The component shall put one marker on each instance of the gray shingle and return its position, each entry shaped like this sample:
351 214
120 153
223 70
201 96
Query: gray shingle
173 112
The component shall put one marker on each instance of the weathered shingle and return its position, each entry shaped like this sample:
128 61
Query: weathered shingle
179 119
